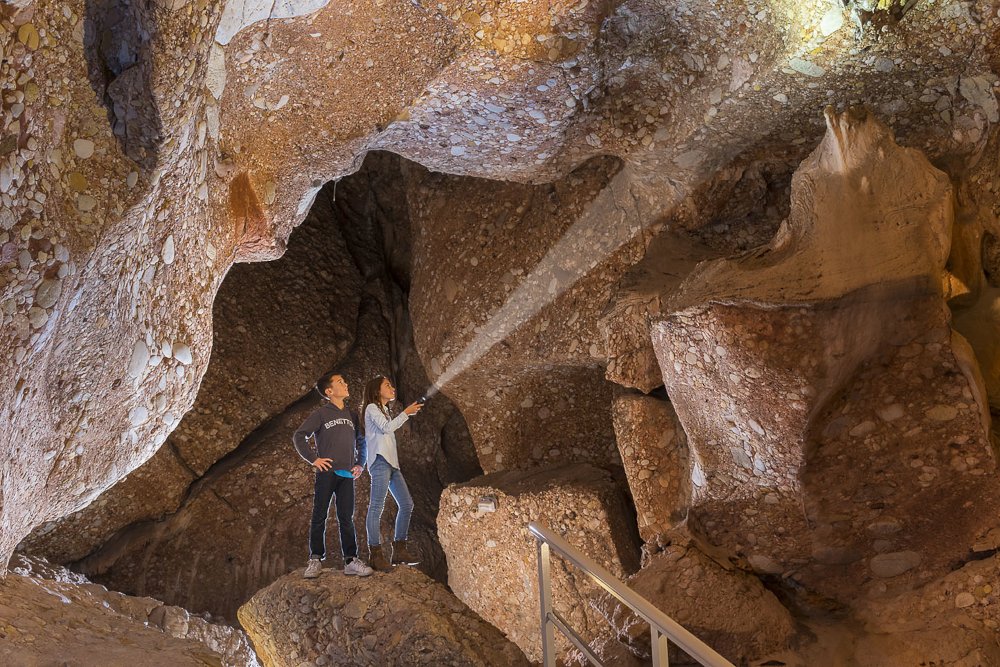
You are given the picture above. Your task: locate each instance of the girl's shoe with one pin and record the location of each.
(378, 558)
(401, 554)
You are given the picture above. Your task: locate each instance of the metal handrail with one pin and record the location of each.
(662, 628)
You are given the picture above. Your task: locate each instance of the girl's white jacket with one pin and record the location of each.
(380, 436)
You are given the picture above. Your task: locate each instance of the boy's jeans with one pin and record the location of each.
(386, 478)
(328, 485)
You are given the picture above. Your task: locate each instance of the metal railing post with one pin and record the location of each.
(545, 602)
(661, 648)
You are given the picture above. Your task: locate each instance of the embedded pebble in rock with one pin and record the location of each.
(37, 317)
(894, 564)
(891, 412)
(182, 353)
(964, 599)
(48, 293)
(806, 67)
(84, 148)
(139, 415)
(168, 250)
(139, 359)
(942, 413)
(832, 21)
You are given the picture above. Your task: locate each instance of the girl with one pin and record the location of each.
(383, 466)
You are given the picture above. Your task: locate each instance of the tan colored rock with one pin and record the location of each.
(523, 92)
(50, 615)
(501, 320)
(625, 328)
(653, 448)
(582, 503)
(754, 349)
(398, 618)
(720, 604)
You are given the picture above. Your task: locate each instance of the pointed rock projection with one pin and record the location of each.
(757, 353)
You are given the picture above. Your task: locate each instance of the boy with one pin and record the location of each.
(339, 454)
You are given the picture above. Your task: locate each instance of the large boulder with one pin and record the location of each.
(725, 607)
(582, 503)
(397, 618)
(851, 286)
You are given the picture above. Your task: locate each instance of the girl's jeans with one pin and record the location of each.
(386, 478)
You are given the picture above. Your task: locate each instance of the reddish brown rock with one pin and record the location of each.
(721, 605)
(582, 503)
(767, 340)
(653, 448)
(398, 618)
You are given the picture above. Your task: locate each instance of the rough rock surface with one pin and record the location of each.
(726, 608)
(397, 618)
(273, 336)
(133, 154)
(852, 284)
(498, 321)
(653, 448)
(49, 615)
(582, 503)
(146, 147)
(346, 307)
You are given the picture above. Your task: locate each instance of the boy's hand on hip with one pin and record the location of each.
(323, 464)
(356, 471)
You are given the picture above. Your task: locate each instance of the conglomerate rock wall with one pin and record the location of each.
(599, 201)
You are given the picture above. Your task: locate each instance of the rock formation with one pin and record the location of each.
(135, 151)
(588, 240)
(494, 545)
(726, 608)
(50, 615)
(853, 278)
(239, 483)
(398, 618)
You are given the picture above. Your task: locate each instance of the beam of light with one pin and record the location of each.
(611, 220)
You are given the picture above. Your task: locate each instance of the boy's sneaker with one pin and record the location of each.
(313, 569)
(357, 568)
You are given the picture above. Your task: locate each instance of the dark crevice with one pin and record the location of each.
(973, 557)
(172, 448)
(117, 41)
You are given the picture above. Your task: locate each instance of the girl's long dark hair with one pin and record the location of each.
(373, 394)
